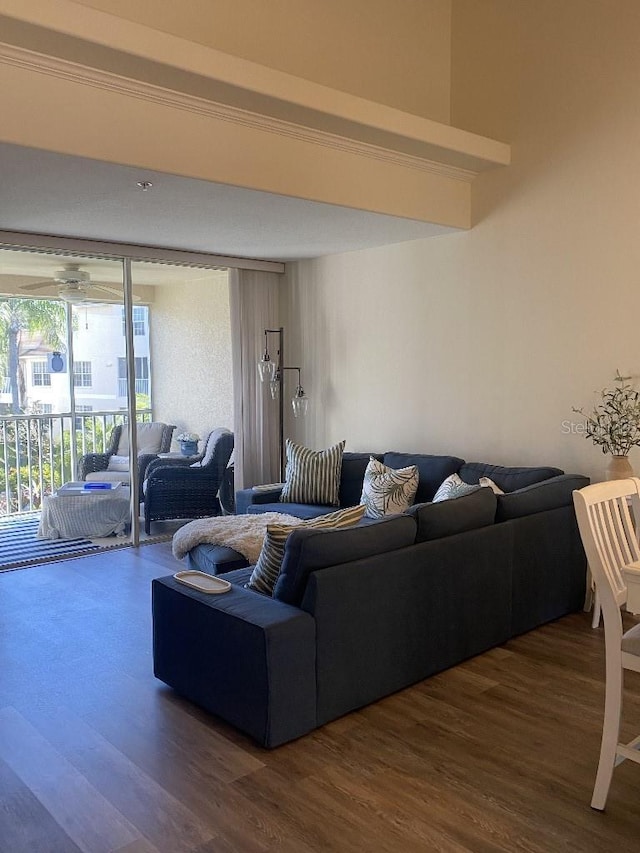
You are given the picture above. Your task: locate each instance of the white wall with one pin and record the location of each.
(191, 354)
(479, 343)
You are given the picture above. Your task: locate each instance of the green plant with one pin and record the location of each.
(614, 423)
(20, 320)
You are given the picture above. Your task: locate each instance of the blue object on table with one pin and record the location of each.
(98, 486)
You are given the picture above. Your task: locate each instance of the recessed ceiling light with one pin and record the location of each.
(144, 185)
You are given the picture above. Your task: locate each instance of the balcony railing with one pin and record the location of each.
(36, 453)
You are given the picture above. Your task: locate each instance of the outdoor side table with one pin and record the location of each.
(75, 513)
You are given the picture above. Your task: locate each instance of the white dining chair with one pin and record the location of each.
(605, 513)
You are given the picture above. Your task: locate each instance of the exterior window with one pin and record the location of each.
(82, 374)
(142, 376)
(81, 421)
(40, 373)
(47, 408)
(139, 321)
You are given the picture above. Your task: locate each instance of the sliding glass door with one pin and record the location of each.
(62, 346)
(90, 344)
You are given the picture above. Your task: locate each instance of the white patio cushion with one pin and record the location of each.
(149, 438)
(108, 477)
(118, 463)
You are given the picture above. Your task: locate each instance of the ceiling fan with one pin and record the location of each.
(74, 285)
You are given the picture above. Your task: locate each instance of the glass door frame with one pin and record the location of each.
(126, 253)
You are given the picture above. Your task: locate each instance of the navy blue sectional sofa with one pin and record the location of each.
(360, 613)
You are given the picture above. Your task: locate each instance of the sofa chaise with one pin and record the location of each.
(360, 613)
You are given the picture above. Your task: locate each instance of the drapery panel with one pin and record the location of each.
(254, 307)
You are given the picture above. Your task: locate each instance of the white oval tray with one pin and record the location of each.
(203, 582)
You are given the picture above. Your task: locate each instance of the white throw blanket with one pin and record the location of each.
(243, 533)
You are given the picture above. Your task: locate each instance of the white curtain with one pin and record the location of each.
(254, 305)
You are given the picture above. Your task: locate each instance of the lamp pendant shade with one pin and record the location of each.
(300, 404)
(274, 387)
(266, 369)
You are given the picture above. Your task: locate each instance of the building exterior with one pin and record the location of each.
(98, 368)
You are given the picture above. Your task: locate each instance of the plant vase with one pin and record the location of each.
(619, 468)
(188, 448)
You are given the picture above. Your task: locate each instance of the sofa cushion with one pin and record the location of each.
(299, 510)
(352, 475)
(215, 559)
(508, 479)
(237, 577)
(453, 487)
(312, 476)
(432, 470)
(446, 518)
(309, 549)
(539, 497)
(386, 491)
(266, 571)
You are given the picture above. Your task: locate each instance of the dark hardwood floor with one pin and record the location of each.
(498, 754)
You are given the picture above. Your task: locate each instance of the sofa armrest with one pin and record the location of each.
(249, 497)
(244, 657)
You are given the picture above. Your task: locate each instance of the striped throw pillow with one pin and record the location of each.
(265, 573)
(313, 476)
(388, 490)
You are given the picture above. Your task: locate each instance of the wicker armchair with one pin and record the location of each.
(182, 488)
(95, 463)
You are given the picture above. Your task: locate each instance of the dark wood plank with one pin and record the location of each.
(158, 816)
(85, 815)
(25, 824)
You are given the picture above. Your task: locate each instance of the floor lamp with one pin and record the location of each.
(273, 372)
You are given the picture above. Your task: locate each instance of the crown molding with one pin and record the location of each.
(33, 61)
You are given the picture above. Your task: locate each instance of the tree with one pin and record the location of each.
(22, 318)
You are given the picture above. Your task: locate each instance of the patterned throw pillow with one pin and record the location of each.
(388, 490)
(488, 482)
(313, 476)
(453, 487)
(265, 573)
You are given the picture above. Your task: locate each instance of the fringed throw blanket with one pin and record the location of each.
(243, 533)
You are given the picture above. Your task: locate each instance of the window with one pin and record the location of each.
(82, 374)
(139, 321)
(47, 408)
(80, 422)
(142, 376)
(40, 373)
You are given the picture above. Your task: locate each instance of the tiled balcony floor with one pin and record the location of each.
(19, 547)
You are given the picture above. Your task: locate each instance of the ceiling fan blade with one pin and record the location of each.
(38, 285)
(111, 290)
(106, 289)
